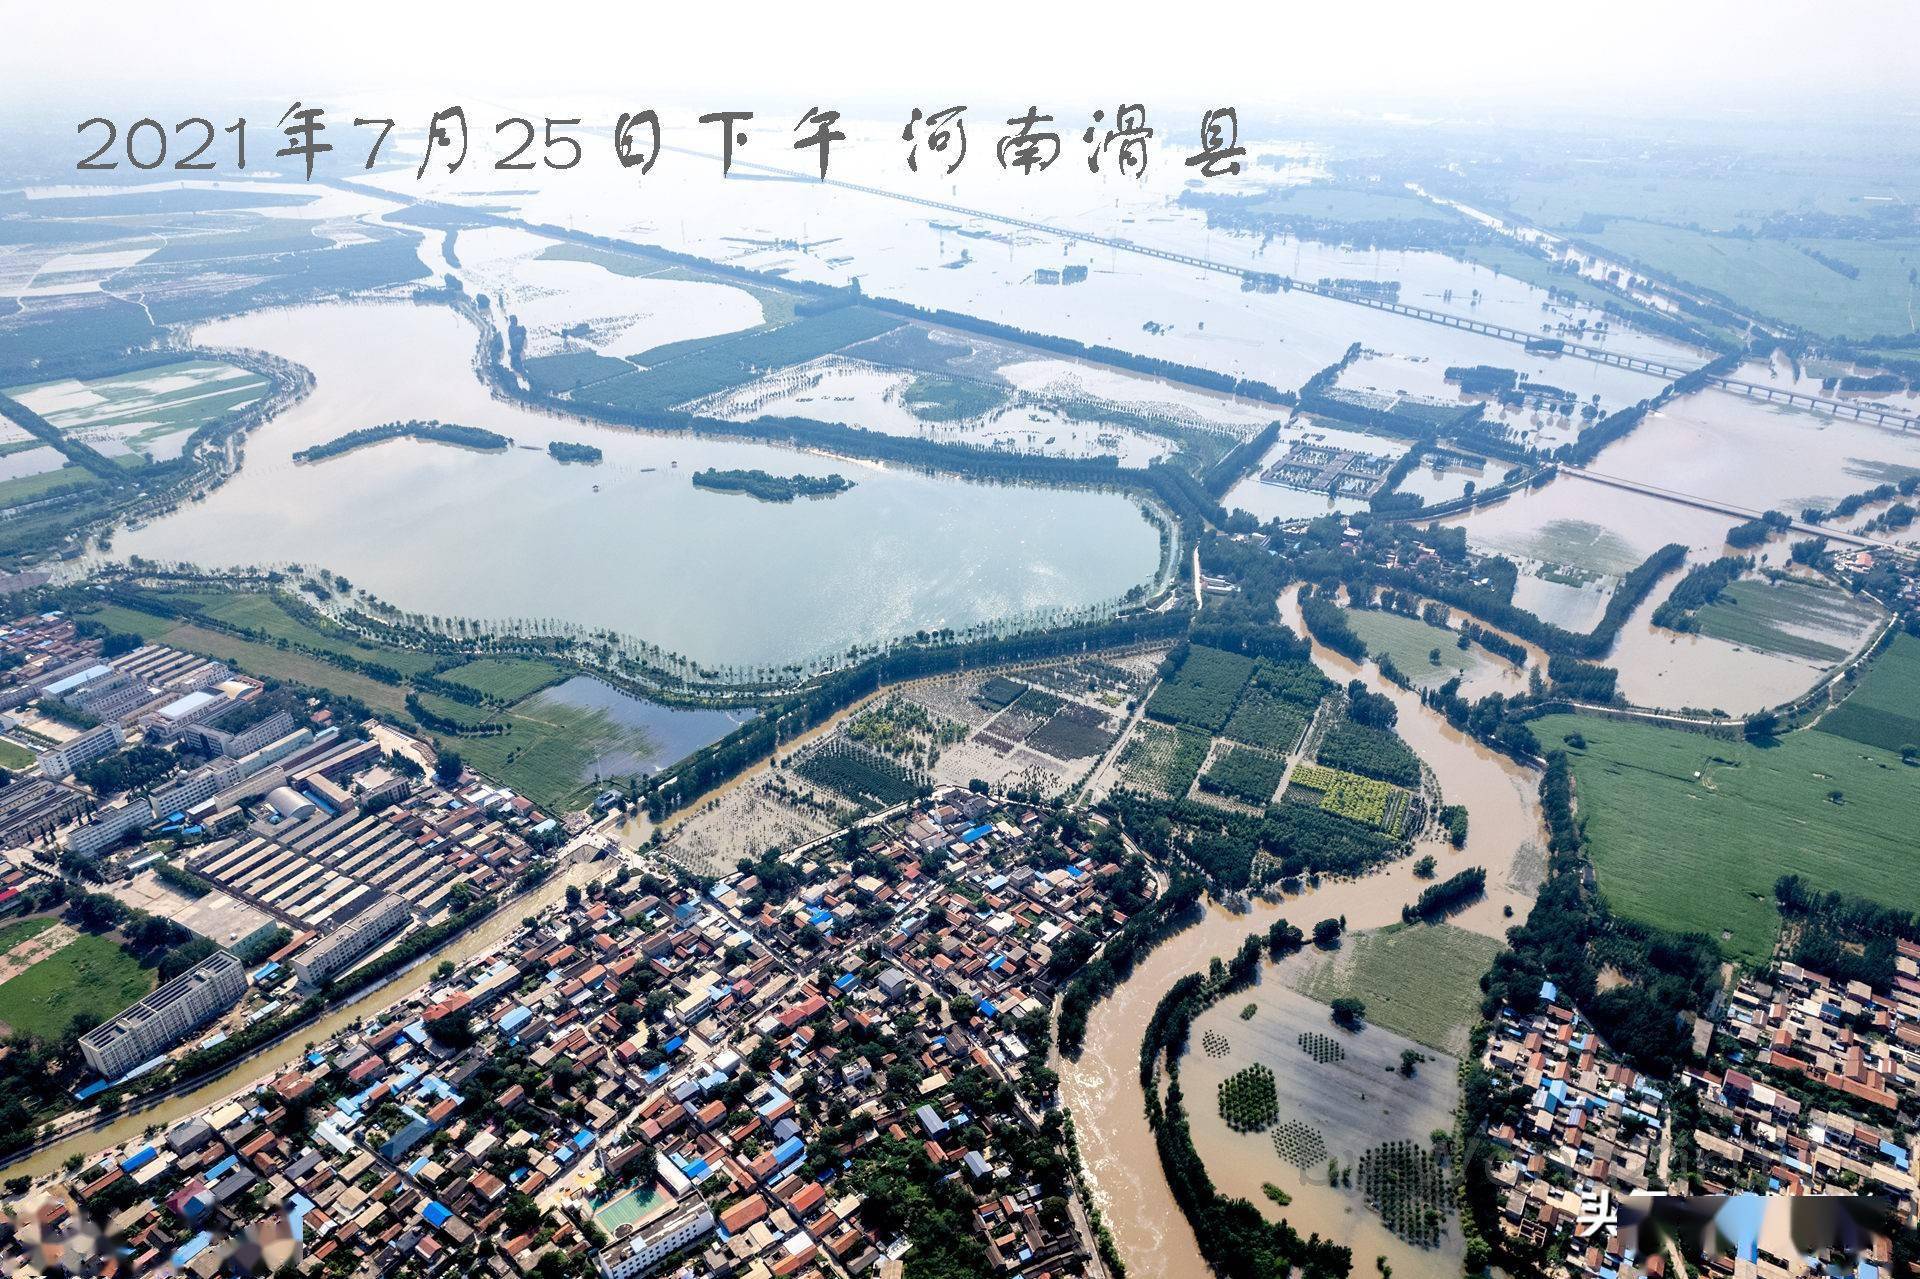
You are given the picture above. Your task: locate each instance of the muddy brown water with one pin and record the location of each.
(1103, 1088)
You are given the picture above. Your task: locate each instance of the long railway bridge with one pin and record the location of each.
(1876, 413)
(1865, 411)
(1598, 355)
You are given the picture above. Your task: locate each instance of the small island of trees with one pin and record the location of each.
(771, 488)
(567, 451)
(470, 437)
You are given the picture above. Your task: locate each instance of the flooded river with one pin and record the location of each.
(1103, 1088)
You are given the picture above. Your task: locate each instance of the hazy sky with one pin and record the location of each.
(1630, 56)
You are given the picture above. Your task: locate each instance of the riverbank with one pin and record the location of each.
(96, 1133)
(1102, 1089)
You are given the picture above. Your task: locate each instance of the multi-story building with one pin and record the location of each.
(108, 827)
(638, 1248)
(77, 752)
(337, 951)
(183, 712)
(165, 1017)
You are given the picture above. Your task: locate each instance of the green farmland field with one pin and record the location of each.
(1410, 643)
(505, 679)
(1884, 710)
(1422, 980)
(1778, 278)
(1689, 832)
(1774, 617)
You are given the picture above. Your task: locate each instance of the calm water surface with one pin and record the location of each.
(628, 545)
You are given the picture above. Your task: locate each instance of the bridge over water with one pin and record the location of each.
(1727, 508)
(1865, 412)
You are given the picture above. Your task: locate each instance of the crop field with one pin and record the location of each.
(689, 371)
(1777, 279)
(143, 406)
(1689, 832)
(1413, 644)
(1164, 760)
(90, 974)
(1884, 710)
(999, 691)
(1261, 719)
(1074, 732)
(505, 679)
(1203, 691)
(859, 774)
(1348, 795)
(1791, 618)
(1243, 774)
(1421, 980)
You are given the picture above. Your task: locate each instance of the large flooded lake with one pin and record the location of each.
(629, 544)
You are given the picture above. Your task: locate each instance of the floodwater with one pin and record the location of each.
(876, 398)
(1356, 1104)
(1103, 1088)
(628, 545)
(1594, 533)
(623, 315)
(1675, 671)
(647, 736)
(1748, 453)
(1266, 501)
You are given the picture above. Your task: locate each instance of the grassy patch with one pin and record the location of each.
(1689, 832)
(1420, 980)
(90, 974)
(15, 756)
(260, 612)
(549, 751)
(1411, 642)
(1792, 618)
(933, 397)
(61, 479)
(1884, 710)
(264, 660)
(571, 370)
(505, 679)
(21, 929)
